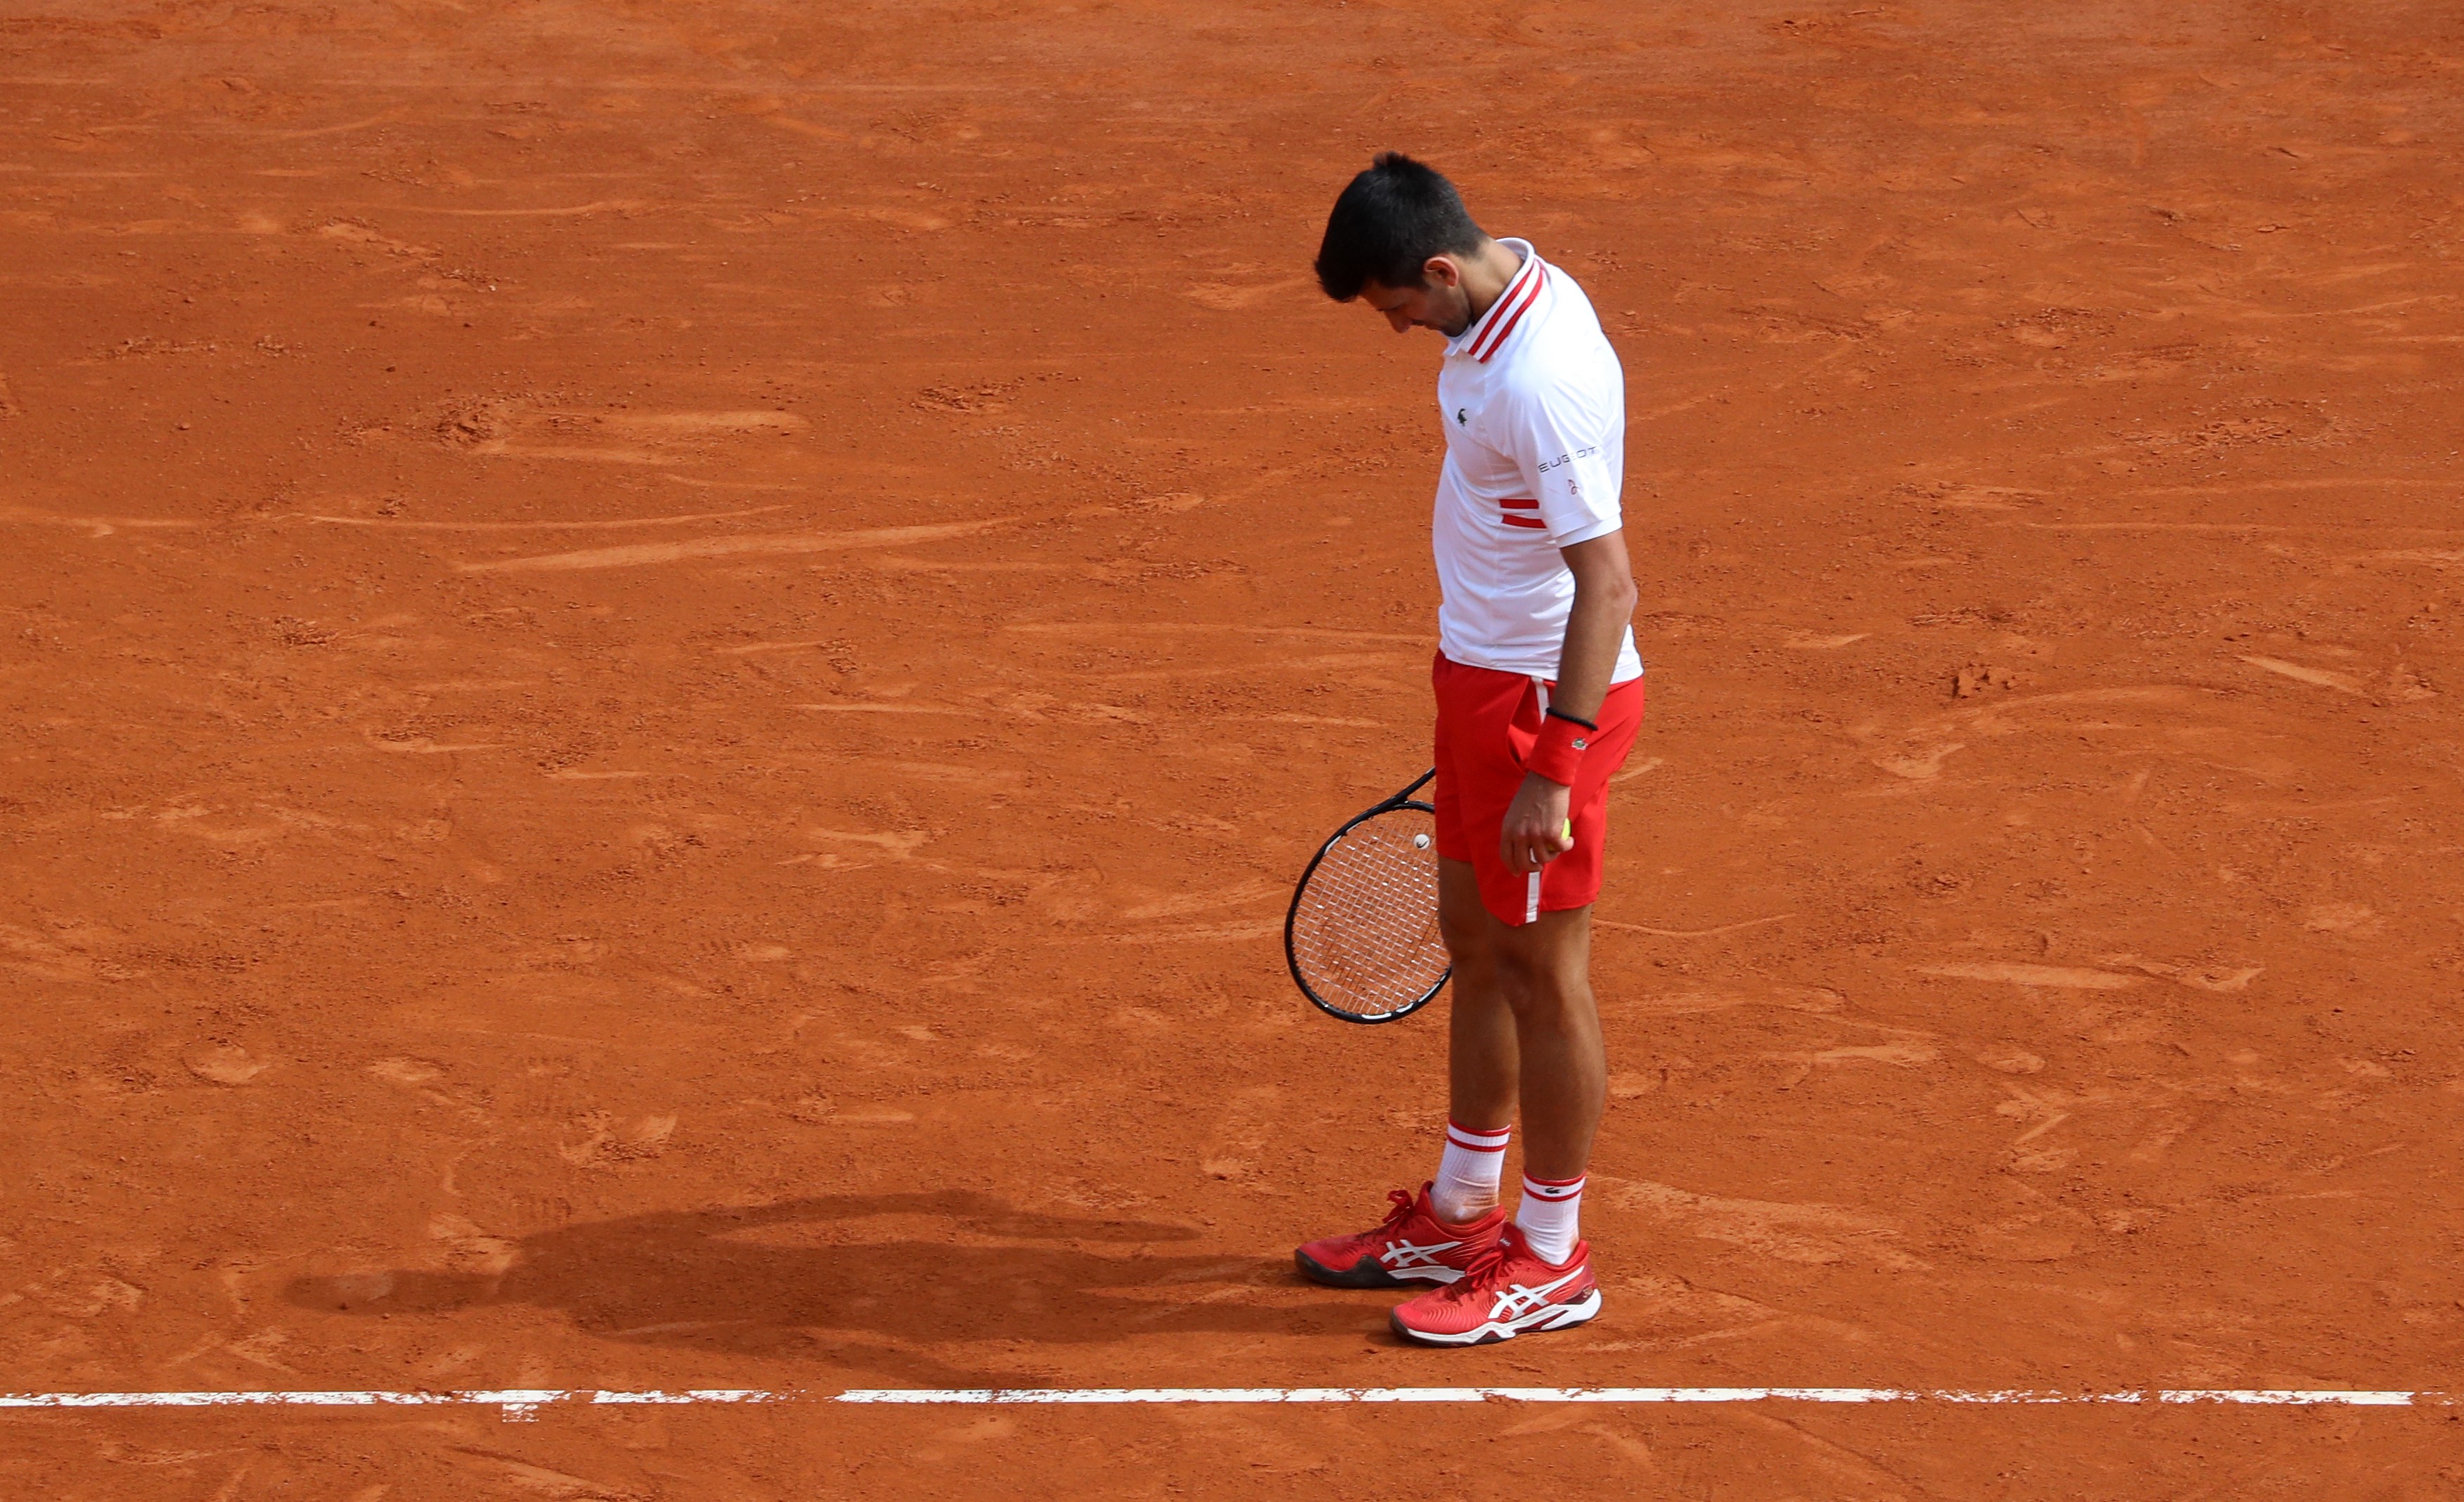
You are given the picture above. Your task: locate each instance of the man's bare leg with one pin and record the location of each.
(1525, 1029)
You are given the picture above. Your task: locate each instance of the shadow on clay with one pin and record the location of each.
(821, 1275)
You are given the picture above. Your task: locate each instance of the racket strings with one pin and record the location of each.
(1365, 932)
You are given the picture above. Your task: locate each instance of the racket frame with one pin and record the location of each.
(1291, 914)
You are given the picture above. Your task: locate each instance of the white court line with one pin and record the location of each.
(517, 1402)
(2289, 1397)
(524, 1402)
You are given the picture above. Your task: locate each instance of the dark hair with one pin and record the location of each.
(1387, 223)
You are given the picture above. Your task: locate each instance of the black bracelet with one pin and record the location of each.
(1554, 712)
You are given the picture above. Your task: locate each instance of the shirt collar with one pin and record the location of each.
(1489, 332)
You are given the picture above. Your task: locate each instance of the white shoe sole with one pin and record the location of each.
(1556, 1316)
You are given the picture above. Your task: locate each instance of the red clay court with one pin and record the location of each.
(667, 666)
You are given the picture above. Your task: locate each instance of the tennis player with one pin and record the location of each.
(1539, 696)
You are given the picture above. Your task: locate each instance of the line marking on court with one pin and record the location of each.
(520, 1404)
(2282, 1397)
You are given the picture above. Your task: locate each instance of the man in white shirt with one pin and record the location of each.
(1539, 697)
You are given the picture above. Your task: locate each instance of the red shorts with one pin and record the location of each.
(1486, 723)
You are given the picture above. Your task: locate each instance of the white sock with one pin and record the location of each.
(1468, 1172)
(1550, 1219)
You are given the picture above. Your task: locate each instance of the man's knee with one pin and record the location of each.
(1541, 987)
(1542, 969)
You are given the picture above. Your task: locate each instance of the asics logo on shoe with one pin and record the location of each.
(1516, 1300)
(1404, 1255)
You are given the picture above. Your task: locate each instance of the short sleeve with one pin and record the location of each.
(1566, 443)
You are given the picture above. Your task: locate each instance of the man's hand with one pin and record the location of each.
(1535, 832)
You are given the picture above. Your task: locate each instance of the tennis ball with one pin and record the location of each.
(1569, 830)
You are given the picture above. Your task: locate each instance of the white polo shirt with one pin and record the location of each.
(1533, 403)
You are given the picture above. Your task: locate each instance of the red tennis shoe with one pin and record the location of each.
(1412, 1246)
(1506, 1292)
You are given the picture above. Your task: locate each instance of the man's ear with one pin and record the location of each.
(1441, 271)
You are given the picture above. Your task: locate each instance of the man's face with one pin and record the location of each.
(1440, 303)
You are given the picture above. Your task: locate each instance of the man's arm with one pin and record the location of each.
(1534, 831)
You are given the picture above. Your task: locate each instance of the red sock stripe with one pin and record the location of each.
(1474, 1140)
(1553, 1189)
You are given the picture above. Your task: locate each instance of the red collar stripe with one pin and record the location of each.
(1517, 303)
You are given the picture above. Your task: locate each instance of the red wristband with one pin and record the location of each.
(1559, 751)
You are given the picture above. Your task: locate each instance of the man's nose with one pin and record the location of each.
(1402, 324)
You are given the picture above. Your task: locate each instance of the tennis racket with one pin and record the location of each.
(1362, 934)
